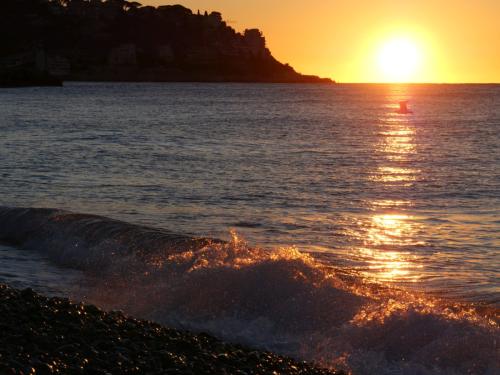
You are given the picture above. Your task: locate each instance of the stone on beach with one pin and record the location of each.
(43, 335)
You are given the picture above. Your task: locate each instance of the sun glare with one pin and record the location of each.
(399, 60)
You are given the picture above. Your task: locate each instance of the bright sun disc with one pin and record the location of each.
(399, 60)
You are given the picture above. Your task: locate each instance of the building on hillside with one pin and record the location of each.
(201, 55)
(165, 53)
(58, 66)
(55, 65)
(125, 54)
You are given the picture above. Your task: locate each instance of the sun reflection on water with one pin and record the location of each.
(395, 174)
(391, 230)
(398, 141)
(384, 241)
(390, 203)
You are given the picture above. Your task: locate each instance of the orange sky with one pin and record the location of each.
(455, 40)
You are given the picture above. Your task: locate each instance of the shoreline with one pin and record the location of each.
(61, 82)
(56, 335)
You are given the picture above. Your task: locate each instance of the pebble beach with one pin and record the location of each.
(43, 335)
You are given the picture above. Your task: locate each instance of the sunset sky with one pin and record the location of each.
(374, 41)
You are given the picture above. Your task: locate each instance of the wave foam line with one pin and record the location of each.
(282, 300)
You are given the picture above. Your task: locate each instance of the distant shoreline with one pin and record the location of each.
(35, 79)
(169, 43)
(62, 83)
(296, 82)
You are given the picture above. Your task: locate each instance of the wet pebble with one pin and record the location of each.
(54, 336)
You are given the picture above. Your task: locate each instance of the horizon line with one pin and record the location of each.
(417, 83)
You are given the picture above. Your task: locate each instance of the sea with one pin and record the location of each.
(311, 220)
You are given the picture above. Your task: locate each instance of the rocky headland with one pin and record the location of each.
(117, 40)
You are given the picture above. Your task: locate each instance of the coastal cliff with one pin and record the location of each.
(117, 40)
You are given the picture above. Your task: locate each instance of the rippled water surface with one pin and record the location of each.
(412, 200)
(30, 269)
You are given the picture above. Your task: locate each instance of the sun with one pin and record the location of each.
(399, 60)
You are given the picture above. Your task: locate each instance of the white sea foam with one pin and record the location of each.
(281, 299)
(285, 301)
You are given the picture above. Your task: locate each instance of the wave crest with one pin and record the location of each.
(281, 299)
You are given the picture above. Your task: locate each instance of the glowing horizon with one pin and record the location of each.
(453, 41)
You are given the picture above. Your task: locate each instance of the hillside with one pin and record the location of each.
(117, 40)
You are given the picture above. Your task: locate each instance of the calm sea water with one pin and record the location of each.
(410, 201)
(331, 169)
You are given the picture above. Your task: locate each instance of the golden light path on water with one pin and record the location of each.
(391, 227)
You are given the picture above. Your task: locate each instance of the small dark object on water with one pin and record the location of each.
(403, 108)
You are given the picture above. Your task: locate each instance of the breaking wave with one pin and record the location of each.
(281, 299)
